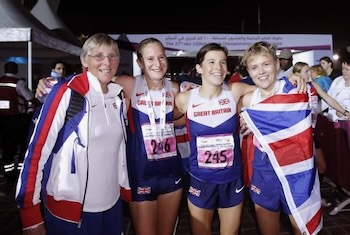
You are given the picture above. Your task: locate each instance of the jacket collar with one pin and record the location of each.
(80, 83)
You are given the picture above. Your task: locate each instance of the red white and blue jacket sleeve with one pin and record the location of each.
(30, 183)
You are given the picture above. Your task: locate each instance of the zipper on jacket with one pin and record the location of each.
(87, 161)
(79, 223)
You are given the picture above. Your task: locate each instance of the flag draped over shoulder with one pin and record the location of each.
(282, 125)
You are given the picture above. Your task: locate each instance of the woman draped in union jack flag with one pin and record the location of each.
(284, 174)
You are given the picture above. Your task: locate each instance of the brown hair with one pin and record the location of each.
(209, 47)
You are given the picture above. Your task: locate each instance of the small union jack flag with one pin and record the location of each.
(255, 189)
(143, 190)
(195, 192)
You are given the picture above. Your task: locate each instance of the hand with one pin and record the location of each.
(186, 86)
(299, 82)
(244, 128)
(40, 89)
(341, 115)
(39, 230)
(347, 115)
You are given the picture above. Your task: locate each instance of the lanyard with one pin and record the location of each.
(151, 114)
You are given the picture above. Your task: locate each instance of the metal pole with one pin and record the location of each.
(259, 17)
(30, 63)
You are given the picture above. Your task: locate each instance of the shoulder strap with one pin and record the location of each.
(76, 104)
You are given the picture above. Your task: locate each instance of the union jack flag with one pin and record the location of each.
(282, 125)
(255, 189)
(143, 190)
(194, 191)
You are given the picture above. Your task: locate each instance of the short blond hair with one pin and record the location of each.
(258, 48)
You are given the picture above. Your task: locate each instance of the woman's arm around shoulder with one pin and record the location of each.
(239, 89)
(246, 100)
(181, 101)
(127, 82)
(178, 115)
(299, 82)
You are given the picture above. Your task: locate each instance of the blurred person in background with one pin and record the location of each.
(236, 75)
(316, 94)
(186, 73)
(188, 79)
(57, 72)
(319, 75)
(340, 91)
(286, 63)
(240, 75)
(328, 65)
(16, 99)
(59, 67)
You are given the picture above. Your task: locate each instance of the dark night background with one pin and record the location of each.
(220, 16)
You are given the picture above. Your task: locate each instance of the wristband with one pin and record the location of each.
(345, 112)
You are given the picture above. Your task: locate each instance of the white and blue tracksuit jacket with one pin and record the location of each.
(50, 173)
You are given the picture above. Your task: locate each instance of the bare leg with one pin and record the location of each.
(320, 161)
(269, 221)
(200, 219)
(295, 227)
(230, 219)
(168, 210)
(144, 217)
(156, 217)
